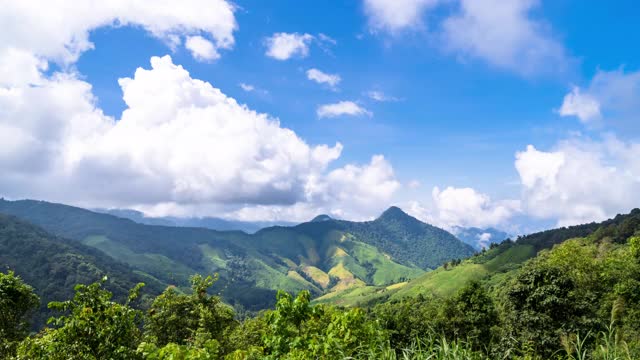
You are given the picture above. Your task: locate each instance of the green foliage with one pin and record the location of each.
(209, 350)
(17, 300)
(53, 265)
(542, 304)
(95, 328)
(408, 319)
(634, 243)
(194, 319)
(297, 330)
(470, 315)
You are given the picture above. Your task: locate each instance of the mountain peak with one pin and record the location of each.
(394, 213)
(321, 218)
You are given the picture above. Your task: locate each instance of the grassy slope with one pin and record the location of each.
(162, 267)
(440, 281)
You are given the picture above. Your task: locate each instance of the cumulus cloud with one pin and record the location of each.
(341, 108)
(283, 46)
(180, 144)
(395, 15)
(179, 136)
(584, 106)
(611, 94)
(59, 30)
(357, 192)
(484, 239)
(323, 78)
(504, 34)
(580, 180)
(201, 48)
(180, 147)
(464, 207)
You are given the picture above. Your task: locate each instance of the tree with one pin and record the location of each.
(95, 328)
(297, 330)
(17, 300)
(634, 243)
(470, 314)
(408, 319)
(543, 304)
(193, 319)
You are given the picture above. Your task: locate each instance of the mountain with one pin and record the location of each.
(212, 223)
(54, 265)
(490, 266)
(322, 256)
(322, 217)
(480, 238)
(404, 237)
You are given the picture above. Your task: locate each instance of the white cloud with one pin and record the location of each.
(355, 192)
(180, 147)
(396, 15)
(463, 207)
(577, 181)
(341, 108)
(283, 46)
(180, 140)
(484, 239)
(379, 96)
(201, 48)
(584, 106)
(247, 87)
(612, 94)
(323, 78)
(466, 207)
(580, 180)
(326, 39)
(504, 34)
(59, 30)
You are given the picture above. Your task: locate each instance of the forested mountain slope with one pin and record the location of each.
(320, 256)
(490, 266)
(53, 265)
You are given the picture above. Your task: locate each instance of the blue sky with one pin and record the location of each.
(455, 115)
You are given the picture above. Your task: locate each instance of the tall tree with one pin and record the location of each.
(17, 300)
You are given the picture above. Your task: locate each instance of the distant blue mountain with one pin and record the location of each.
(212, 223)
(480, 238)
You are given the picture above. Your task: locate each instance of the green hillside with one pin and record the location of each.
(53, 265)
(320, 256)
(491, 266)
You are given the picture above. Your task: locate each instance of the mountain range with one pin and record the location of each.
(323, 256)
(212, 223)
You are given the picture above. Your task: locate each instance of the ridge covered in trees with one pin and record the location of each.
(321, 257)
